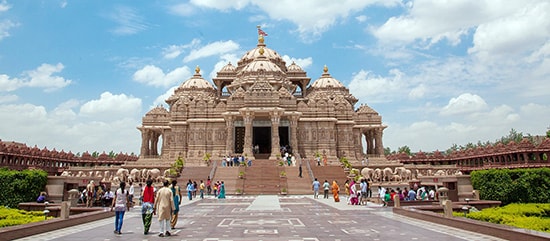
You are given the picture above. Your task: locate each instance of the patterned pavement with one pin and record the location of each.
(292, 218)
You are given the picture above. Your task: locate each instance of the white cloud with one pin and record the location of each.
(215, 48)
(525, 31)
(431, 21)
(376, 89)
(5, 26)
(182, 9)
(464, 104)
(304, 62)
(128, 21)
(318, 17)
(63, 4)
(8, 98)
(361, 18)
(418, 92)
(154, 76)
(41, 77)
(161, 100)
(173, 51)
(221, 4)
(4, 6)
(62, 130)
(111, 107)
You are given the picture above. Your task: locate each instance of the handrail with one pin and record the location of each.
(310, 171)
(213, 170)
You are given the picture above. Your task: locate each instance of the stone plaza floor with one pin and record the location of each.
(270, 217)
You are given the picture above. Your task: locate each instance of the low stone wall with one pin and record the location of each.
(29, 229)
(496, 230)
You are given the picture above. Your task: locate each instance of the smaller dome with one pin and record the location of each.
(228, 68)
(159, 110)
(197, 82)
(326, 81)
(294, 68)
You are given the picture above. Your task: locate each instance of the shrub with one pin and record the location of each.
(12, 217)
(533, 216)
(513, 186)
(21, 186)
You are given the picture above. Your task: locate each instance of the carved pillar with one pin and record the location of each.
(294, 135)
(248, 117)
(379, 146)
(275, 144)
(154, 143)
(144, 142)
(230, 139)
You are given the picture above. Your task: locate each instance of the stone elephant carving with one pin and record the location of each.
(367, 173)
(144, 174)
(81, 174)
(387, 174)
(135, 175)
(396, 177)
(66, 174)
(122, 174)
(153, 174)
(98, 174)
(377, 175)
(106, 176)
(439, 173)
(166, 173)
(407, 175)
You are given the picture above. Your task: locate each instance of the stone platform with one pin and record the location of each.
(270, 217)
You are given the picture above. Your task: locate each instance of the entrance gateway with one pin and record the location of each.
(261, 102)
(261, 136)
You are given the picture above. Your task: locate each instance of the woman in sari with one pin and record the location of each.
(222, 191)
(148, 200)
(335, 191)
(353, 193)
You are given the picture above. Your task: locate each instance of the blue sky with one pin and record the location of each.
(80, 75)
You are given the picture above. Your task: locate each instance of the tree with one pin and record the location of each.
(548, 133)
(404, 149)
(387, 151)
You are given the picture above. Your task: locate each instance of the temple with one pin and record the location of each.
(257, 107)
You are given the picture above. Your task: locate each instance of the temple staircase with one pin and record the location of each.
(263, 177)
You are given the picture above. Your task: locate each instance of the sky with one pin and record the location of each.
(79, 75)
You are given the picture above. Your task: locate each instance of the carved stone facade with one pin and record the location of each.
(255, 108)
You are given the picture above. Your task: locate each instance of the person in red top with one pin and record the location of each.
(148, 196)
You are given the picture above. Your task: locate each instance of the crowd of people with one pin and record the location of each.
(164, 202)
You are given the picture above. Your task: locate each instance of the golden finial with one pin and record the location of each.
(261, 51)
(325, 69)
(197, 70)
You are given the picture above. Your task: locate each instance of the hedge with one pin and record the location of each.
(513, 185)
(535, 216)
(21, 186)
(12, 217)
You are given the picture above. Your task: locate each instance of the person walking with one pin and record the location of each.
(315, 186)
(147, 202)
(190, 190)
(326, 187)
(119, 205)
(164, 206)
(202, 187)
(300, 171)
(176, 193)
(130, 195)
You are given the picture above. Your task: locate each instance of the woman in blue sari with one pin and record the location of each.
(222, 191)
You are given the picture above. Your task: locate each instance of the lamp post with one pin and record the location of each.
(46, 211)
(466, 210)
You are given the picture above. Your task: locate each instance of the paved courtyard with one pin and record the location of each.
(296, 218)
